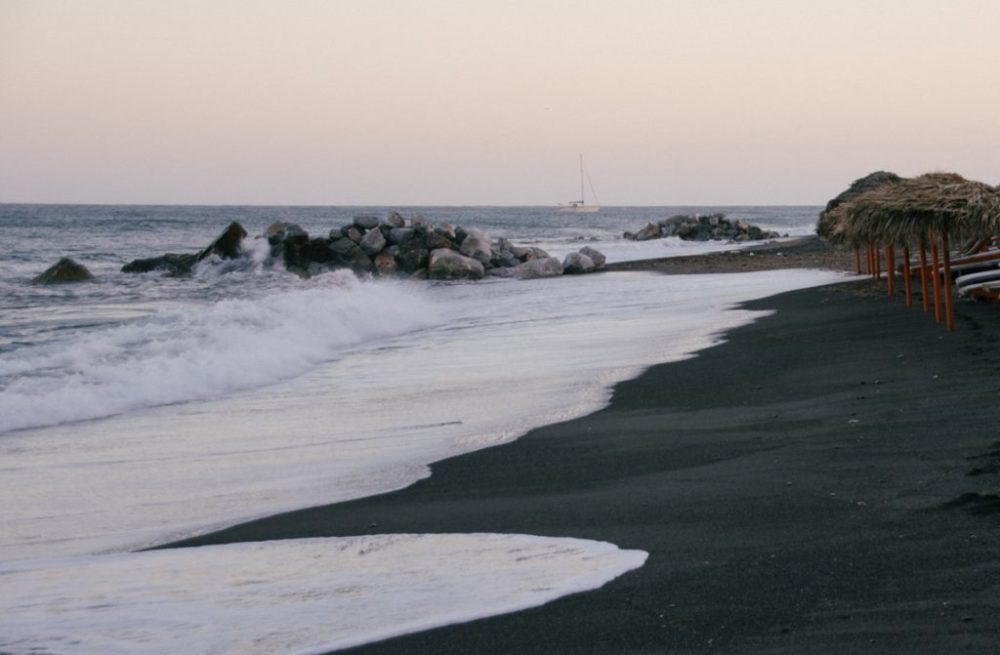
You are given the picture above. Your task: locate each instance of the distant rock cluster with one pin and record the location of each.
(701, 228)
(389, 246)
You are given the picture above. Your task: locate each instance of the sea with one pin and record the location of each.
(136, 410)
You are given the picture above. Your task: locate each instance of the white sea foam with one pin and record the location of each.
(191, 351)
(508, 357)
(505, 357)
(296, 596)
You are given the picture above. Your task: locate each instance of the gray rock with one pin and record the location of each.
(395, 219)
(400, 235)
(596, 256)
(649, 231)
(412, 257)
(360, 262)
(343, 247)
(436, 240)
(577, 263)
(366, 221)
(528, 253)
(62, 272)
(353, 233)
(477, 245)
(446, 264)
(373, 242)
(538, 267)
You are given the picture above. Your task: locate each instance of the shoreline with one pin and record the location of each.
(788, 485)
(795, 252)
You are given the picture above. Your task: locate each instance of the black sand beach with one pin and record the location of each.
(823, 482)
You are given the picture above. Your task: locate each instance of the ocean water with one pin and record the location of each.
(137, 409)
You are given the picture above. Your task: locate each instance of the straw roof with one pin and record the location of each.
(903, 209)
(829, 226)
(909, 207)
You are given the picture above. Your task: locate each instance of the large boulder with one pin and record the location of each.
(395, 219)
(436, 240)
(373, 242)
(595, 256)
(576, 263)
(477, 246)
(526, 253)
(412, 256)
(446, 264)
(229, 245)
(63, 271)
(366, 221)
(648, 231)
(400, 235)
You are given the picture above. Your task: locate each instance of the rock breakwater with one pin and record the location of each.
(701, 228)
(383, 246)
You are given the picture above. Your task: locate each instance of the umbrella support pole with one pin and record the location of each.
(890, 267)
(907, 276)
(937, 279)
(924, 294)
(878, 261)
(857, 259)
(949, 298)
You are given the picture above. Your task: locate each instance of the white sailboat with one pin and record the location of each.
(580, 206)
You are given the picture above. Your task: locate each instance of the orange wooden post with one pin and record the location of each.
(868, 259)
(925, 296)
(937, 279)
(878, 260)
(949, 299)
(890, 267)
(857, 259)
(907, 275)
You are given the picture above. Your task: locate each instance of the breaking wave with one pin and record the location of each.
(196, 351)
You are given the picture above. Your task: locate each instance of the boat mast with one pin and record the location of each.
(583, 200)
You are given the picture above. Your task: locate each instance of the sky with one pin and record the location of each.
(459, 102)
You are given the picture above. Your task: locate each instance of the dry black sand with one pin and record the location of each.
(824, 482)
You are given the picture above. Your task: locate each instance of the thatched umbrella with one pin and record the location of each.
(831, 222)
(931, 206)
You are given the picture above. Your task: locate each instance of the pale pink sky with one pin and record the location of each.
(474, 102)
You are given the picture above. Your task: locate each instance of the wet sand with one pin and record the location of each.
(824, 482)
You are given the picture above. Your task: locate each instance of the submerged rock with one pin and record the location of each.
(229, 245)
(173, 264)
(62, 272)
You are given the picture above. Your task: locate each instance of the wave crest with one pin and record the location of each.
(202, 351)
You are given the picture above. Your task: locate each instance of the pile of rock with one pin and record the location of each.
(385, 246)
(701, 228)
